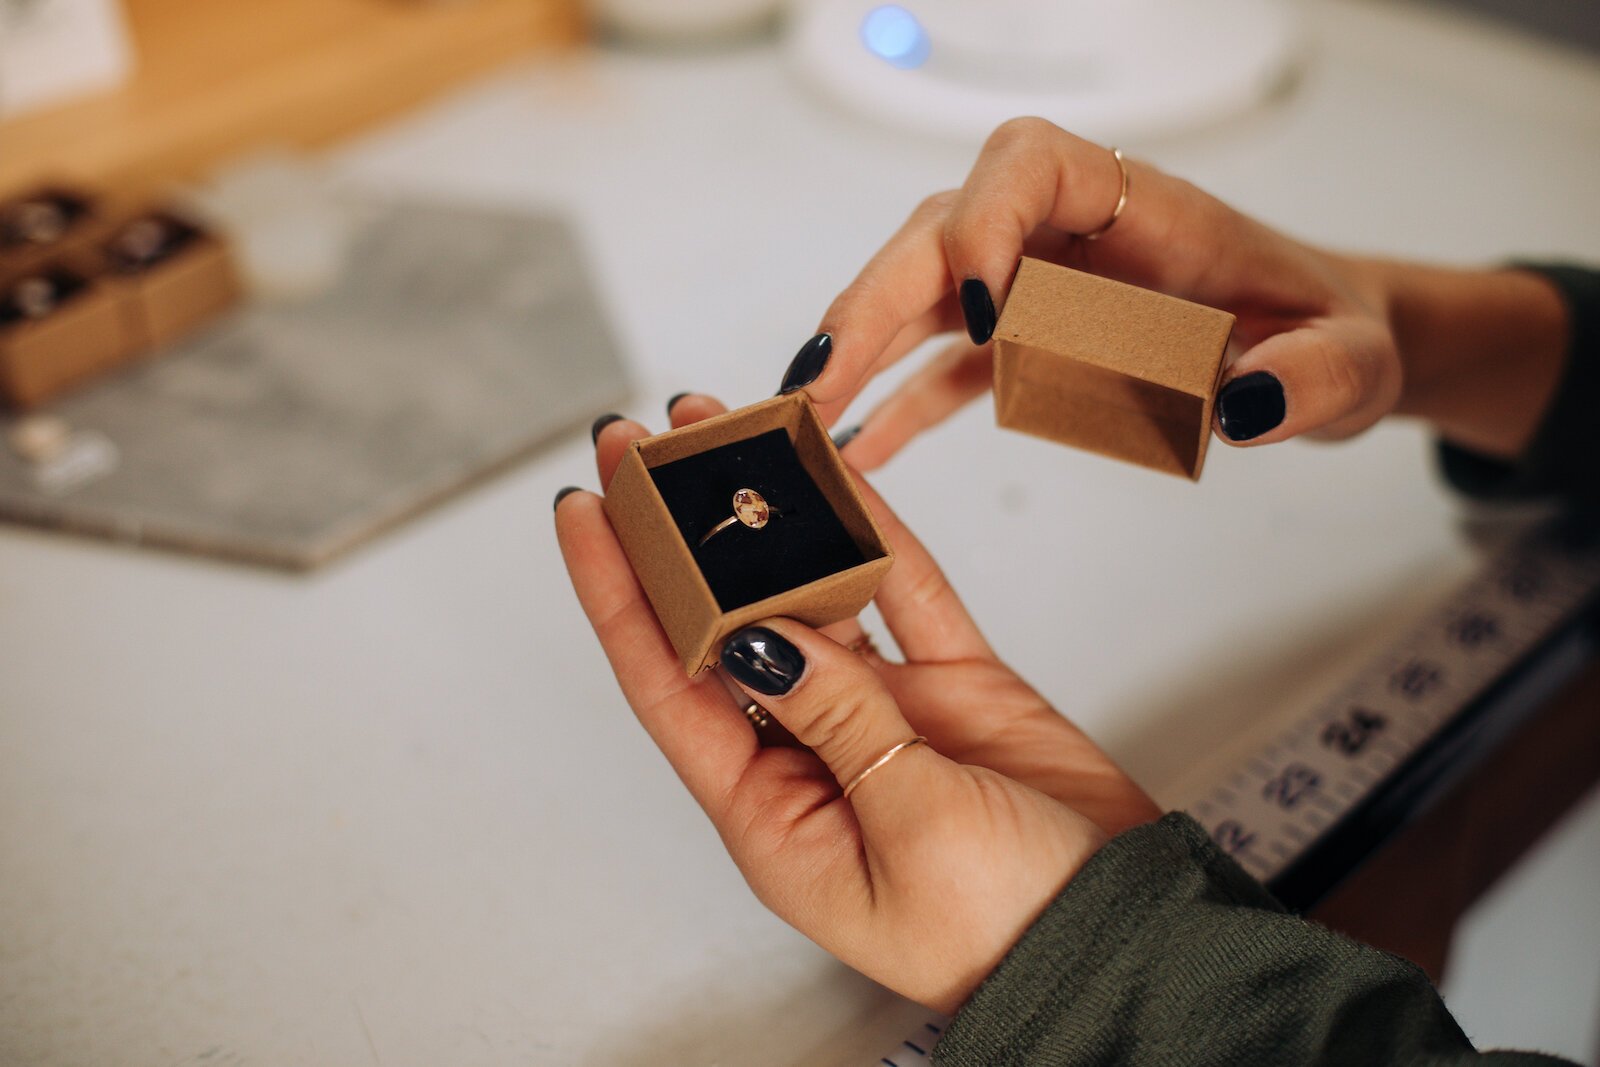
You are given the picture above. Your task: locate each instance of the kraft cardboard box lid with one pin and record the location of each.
(1109, 367)
(703, 592)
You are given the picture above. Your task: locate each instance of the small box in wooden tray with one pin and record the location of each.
(87, 285)
(42, 224)
(60, 324)
(178, 275)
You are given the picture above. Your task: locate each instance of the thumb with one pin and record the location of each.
(837, 705)
(1333, 379)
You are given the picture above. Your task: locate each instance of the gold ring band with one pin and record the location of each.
(750, 509)
(880, 761)
(756, 715)
(863, 645)
(1122, 199)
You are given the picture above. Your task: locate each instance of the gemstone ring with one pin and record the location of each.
(750, 509)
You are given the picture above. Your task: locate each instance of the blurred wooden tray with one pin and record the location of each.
(216, 78)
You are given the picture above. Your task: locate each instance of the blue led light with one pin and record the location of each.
(894, 35)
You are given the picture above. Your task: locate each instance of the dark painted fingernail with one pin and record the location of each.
(563, 494)
(807, 364)
(844, 437)
(978, 308)
(763, 660)
(1250, 406)
(601, 423)
(673, 402)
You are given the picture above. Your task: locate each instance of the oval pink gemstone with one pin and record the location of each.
(750, 508)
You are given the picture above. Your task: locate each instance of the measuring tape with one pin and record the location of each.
(1344, 776)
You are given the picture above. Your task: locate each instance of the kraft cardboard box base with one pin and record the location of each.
(122, 313)
(82, 338)
(1108, 367)
(700, 591)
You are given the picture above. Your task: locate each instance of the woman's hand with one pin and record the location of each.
(1324, 345)
(938, 862)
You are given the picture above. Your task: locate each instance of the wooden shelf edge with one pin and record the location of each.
(154, 131)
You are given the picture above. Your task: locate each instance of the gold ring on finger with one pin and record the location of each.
(863, 645)
(1122, 200)
(757, 716)
(880, 761)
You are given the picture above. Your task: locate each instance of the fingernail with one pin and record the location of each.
(807, 364)
(763, 660)
(844, 437)
(978, 308)
(673, 402)
(1250, 406)
(601, 423)
(563, 494)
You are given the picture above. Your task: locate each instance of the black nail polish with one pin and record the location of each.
(1250, 406)
(673, 402)
(563, 494)
(601, 423)
(977, 306)
(844, 437)
(807, 364)
(762, 660)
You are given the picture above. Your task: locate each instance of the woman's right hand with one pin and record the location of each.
(1312, 353)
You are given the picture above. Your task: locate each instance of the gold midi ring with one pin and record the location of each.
(880, 761)
(750, 509)
(1122, 199)
(770, 733)
(863, 645)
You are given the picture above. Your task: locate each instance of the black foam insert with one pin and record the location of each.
(64, 286)
(12, 232)
(806, 541)
(176, 235)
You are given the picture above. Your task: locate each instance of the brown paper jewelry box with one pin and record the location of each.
(1108, 367)
(818, 560)
(176, 295)
(118, 314)
(85, 336)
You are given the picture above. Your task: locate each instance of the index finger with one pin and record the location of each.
(1029, 174)
(1034, 179)
(901, 297)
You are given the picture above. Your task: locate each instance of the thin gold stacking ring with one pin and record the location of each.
(1122, 199)
(880, 761)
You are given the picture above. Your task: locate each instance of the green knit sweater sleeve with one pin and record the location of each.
(1163, 952)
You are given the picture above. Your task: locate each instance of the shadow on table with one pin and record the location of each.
(1191, 722)
(836, 1017)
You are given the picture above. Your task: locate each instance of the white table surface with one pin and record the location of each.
(396, 812)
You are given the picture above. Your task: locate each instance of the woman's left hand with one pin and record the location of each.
(932, 869)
